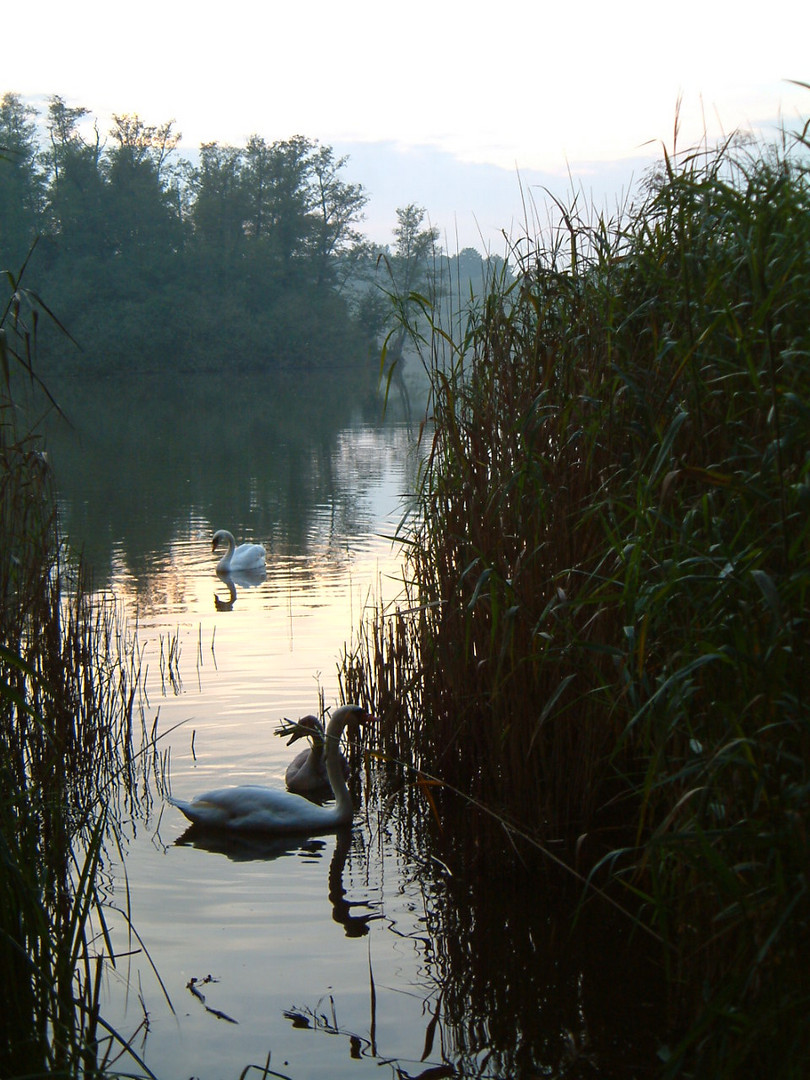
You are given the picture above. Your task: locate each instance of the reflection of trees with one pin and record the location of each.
(253, 454)
(522, 986)
(529, 991)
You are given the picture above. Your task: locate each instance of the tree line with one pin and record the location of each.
(250, 257)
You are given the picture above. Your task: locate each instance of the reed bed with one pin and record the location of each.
(605, 635)
(69, 677)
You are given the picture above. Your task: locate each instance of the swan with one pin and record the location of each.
(306, 773)
(243, 557)
(269, 810)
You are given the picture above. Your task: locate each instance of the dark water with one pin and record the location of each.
(336, 956)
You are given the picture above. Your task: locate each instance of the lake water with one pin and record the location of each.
(326, 957)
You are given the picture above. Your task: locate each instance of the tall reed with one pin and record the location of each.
(68, 680)
(608, 582)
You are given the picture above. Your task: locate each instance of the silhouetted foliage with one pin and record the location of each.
(154, 261)
(21, 182)
(603, 647)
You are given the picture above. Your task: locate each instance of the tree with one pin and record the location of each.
(289, 199)
(144, 217)
(142, 144)
(416, 253)
(145, 253)
(336, 208)
(77, 196)
(218, 199)
(413, 269)
(256, 174)
(275, 181)
(21, 182)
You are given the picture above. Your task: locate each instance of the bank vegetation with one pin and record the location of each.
(70, 733)
(604, 652)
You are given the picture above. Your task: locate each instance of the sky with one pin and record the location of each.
(471, 111)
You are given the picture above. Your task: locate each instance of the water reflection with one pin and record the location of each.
(226, 603)
(445, 965)
(343, 909)
(293, 466)
(246, 847)
(244, 579)
(529, 978)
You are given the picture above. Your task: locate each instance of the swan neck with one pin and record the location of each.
(316, 753)
(224, 564)
(334, 770)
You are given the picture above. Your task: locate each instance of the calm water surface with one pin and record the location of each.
(332, 956)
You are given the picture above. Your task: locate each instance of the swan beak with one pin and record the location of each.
(294, 729)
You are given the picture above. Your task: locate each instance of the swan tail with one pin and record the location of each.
(200, 812)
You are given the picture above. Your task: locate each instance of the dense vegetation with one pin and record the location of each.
(68, 682)
(607, 643)
(250, 258)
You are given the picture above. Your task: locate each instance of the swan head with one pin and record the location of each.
(350, 714)
(308, 727)
(349, 717)
(219, 537)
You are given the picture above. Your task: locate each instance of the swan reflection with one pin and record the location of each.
(245, 847)
(245, 579)
(226, 604)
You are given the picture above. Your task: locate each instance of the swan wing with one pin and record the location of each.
(248, 555)
(257, 808)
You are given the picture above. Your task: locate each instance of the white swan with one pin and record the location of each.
(306, 773)
(243, 557)
(270, 810)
